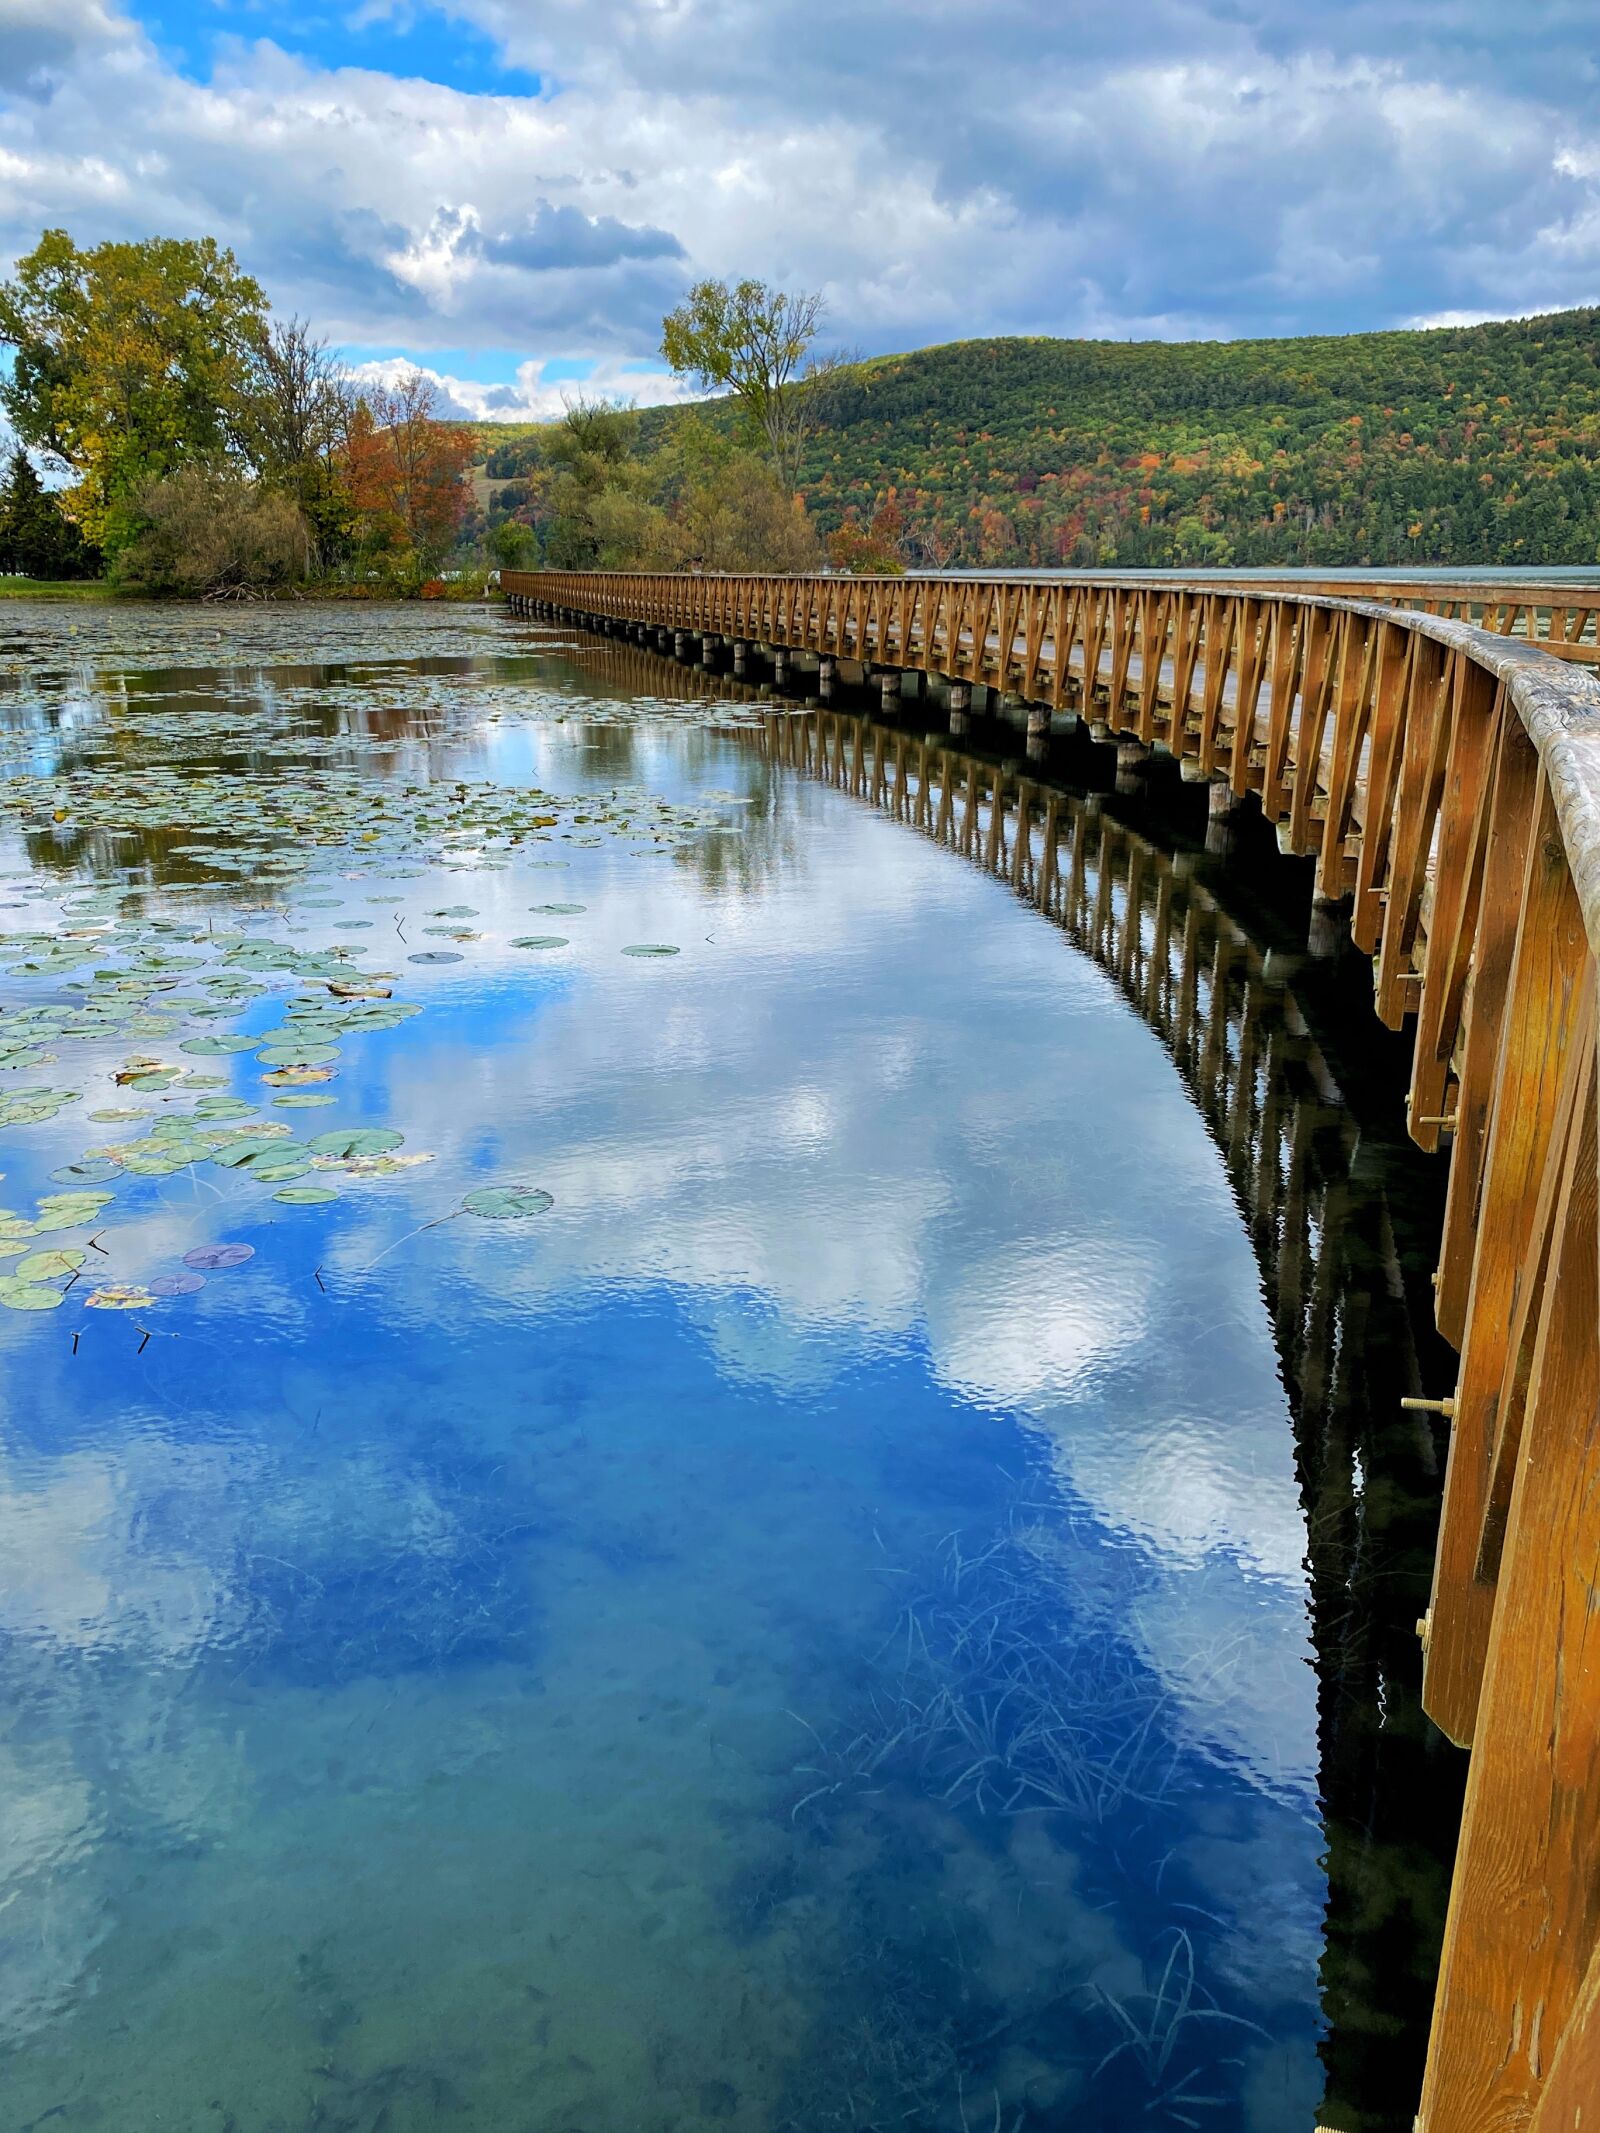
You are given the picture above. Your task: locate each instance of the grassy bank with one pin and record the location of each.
(56, 589)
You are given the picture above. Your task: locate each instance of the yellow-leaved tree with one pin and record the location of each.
(130, 362)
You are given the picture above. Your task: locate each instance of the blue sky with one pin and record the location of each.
(417, 42)
(511, 192)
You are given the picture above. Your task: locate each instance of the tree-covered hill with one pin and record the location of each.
(1475, 444)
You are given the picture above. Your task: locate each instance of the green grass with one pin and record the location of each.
(56, 589)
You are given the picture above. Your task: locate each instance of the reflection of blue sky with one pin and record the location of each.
(872, 1204)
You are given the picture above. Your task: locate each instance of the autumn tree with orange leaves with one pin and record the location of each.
(404, 474)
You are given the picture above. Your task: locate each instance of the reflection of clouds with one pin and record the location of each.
(858, 1121)
(86, 1564)
(878, 1107)
(1036, 1322)
(106, 1598)
(52, 1916)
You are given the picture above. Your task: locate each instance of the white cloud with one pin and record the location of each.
(532, 395)
(940, 171)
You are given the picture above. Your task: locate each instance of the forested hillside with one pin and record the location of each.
(1475, 444)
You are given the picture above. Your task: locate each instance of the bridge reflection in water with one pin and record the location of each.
(1342, 1211)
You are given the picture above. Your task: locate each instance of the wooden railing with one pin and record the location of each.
(1445, 781)
(1561, 618)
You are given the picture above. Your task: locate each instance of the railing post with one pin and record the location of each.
(1536, 1035)
(1525, 1904)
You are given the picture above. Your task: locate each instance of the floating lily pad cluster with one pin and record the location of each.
(200, 848)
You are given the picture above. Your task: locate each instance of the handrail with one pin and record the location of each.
(1445, 781)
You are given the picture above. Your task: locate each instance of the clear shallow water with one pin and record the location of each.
(810, 1630)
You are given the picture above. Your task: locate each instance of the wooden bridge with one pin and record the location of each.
(1444, 778)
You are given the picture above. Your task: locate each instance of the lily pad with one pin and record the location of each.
(184, 1284)
(303, 1100)
(92, 1170)
(559, 910)
(28, 1295)
(47, 1266)
(223, 1107)
(298, 1055)
(650, 948)
(208, 1257)
(507, 1203)
(280, 1168)
(213, 1047)
(346, 1141)
(436, 955)
(306, 1195)
(118, 1296)
(542, 940)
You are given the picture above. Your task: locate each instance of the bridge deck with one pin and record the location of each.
(1445, 778)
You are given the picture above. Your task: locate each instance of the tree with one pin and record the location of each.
(296, 419)
(129, 362)
(755, 343)
(873, 550)
(212, 530)
(601, 515)
(739, 516)
(404, 472)
(514, 545)
(37, 539)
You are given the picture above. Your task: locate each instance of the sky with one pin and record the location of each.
(510, 193)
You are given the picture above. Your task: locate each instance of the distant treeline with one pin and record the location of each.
(1474, 444)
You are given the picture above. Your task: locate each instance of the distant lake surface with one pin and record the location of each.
(649, 1477)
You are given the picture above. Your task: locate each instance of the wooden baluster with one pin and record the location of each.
(1122, 618)
(1186, 652)
(1516, 1379)
(1542, 997)
(1221, 624)
(1005, 651)
(1095, 599)
(1068, 621)
(1525, 1903)
(1480, 705)
(1154, 613)
(1422, 760)
(1243, 772)
(1397, 648)
(1352, 709)
(1323, 631)
(1035, 620)
(1511, 810)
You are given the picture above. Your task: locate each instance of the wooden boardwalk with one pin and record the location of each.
(1445, 779)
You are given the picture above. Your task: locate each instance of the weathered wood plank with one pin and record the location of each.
(1570, 2102)
(1525, 1906)
(1542, 1003)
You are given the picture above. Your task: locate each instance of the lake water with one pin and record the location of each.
(654, 1474)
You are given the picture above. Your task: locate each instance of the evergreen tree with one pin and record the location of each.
(37, 539)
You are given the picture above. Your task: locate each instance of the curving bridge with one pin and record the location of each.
(1436, 752)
